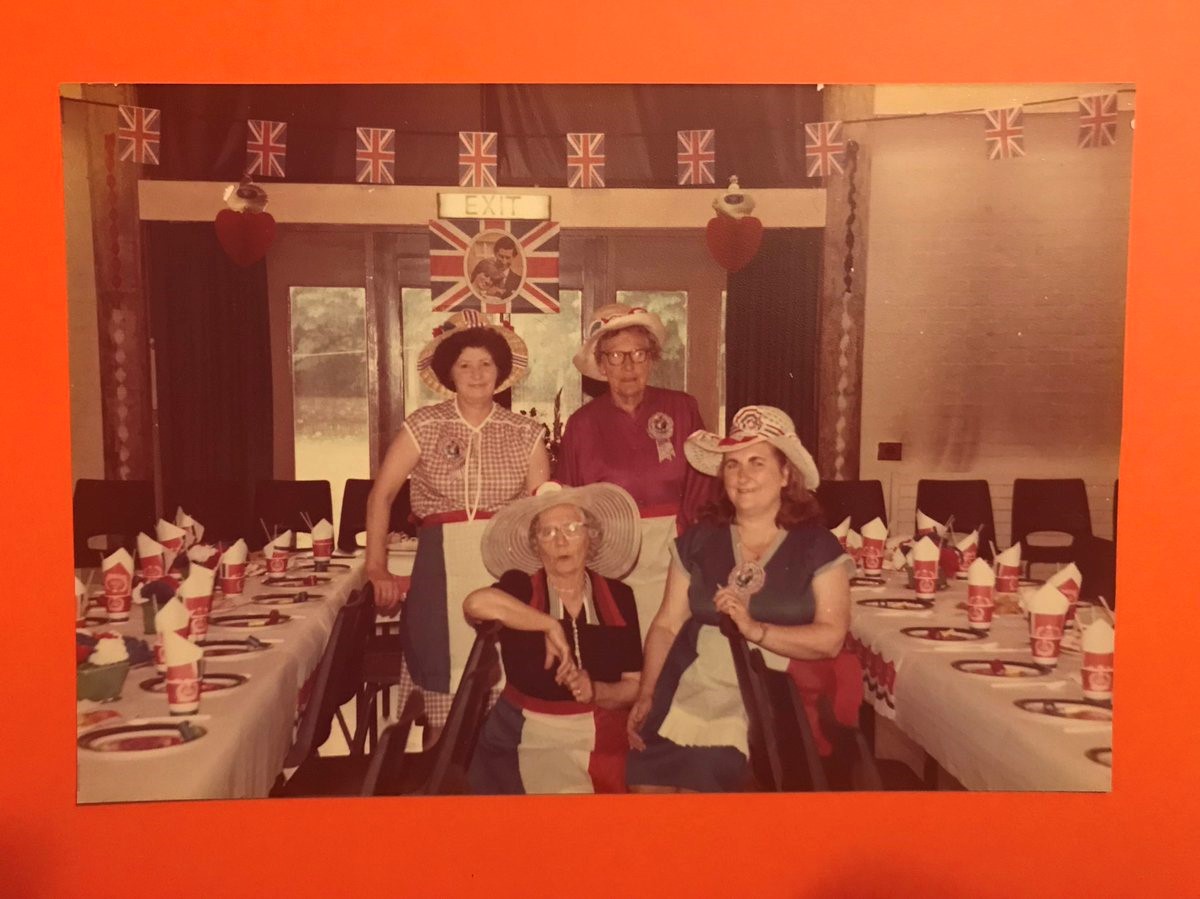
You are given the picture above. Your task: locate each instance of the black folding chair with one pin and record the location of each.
(861, 500)
(283, 505)
(114, 510)
(766, 763)
(221, 506)
(388, 754)
(969, 501)
(1056, 504)
(353, 519)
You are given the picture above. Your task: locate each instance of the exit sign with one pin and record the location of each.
(494, 206)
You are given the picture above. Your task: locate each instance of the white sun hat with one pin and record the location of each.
(753, 424)
(607, 319)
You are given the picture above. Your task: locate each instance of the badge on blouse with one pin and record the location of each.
(747, 578)
(452, 450)
(661, 428)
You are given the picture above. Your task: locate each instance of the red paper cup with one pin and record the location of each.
(118, 594)
(277, 561)
(233, 578)
(925, 577)
(183, 689)
(323, 549)
(969, 555)
(1071, 591)
(1007, 578)
(872, 556)
(151, 568)
(1097, 675)
(980, 606)
(1045, 637)
(199, 608)
(160, 661)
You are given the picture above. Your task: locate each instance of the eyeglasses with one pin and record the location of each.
(618, 357)
(570, 530)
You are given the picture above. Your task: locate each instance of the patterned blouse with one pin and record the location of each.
(476, 469)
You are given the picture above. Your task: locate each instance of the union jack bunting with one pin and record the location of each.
(375, 154)
(824, 149)
(477, 159)
(138, 134)
(697, 156)
(266, 148)
(463, 251)
(1097, 120)
(1005, 132)
(585, 160)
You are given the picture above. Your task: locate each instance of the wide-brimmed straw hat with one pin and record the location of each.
(607, 319)
(506, 537)
(753, 424)
(457, 324)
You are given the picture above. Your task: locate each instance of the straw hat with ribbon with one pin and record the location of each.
(506, 538)
(753, 424)
(458, 323)
(607, 319)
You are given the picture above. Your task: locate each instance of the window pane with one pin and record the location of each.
(671, 307)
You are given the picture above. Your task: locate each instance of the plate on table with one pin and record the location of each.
(274, 618)
(141, 738)
(999, 668)
(1101, 755)
(308, 580)
(1066, 709)
(312, 566)
(898, 604)
(866, 582)
(286, 599)
(232, 648)
(210, 683)
(942, 634)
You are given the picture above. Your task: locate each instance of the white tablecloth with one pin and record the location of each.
(969, 725)
(250, 727)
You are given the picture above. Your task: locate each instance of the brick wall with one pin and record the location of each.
(994, 309)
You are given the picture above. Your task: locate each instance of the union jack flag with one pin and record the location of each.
(697, 156)
(477, 159)
(585, 160)
(824, 149)
(138, 135)
(376, 155)
(1005, 132)
(1097, 120)
(530, 285)
(266, 148)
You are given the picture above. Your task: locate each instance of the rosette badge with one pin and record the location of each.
(661, 429)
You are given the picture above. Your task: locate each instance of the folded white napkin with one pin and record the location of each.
(172, 617)
(323, 530)
(1098, 637)
(119, 558)
(199, 582)
(1011, 556)
(925, 551)
(281, 542)
(147, 546)
(980, 574)
(1046, 600)
(1069, 574)
(966, 542)
(201, 553)
(178, 650)
(236, 553)
(853, 540)
(875, 529)
(165, 531)
(925, 523)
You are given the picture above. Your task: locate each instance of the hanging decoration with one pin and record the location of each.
(696, 156)
(585, 160)
(1005, 132)
(734, 235)
(494, 266)
(375, 155)
(477, 159)
(138, 134)
(847, 348)
(824, 149)
(266, 148)
(244, 231)
(1097, 120)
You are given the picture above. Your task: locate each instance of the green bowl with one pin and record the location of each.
(100, 682)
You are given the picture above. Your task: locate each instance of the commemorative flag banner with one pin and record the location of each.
(1005, 132)
(266, 148)
(696, 156)
(1097, 121)
(477, 159)
(493, 265)
(585, 160)
(138, 134)
(824, 149)
(375, 155)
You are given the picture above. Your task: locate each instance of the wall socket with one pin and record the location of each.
(890, 452)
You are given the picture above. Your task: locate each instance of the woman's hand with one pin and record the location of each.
(734, 604)
(389, 592)
(637, 717)
(557, 648)
(579, 682)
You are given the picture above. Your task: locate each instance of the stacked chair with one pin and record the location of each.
(969, 501)
(282, 505)
(114, 510)
(861, 500)
(1050, 505)
(217, 504)
(353, 519)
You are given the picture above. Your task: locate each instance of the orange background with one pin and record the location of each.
(1138, 840)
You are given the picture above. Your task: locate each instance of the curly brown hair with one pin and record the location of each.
(448, 351)
(797, 504)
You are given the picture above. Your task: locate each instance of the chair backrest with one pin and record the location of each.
(1056, 504)
(969, 501)
(340, 665)
(116, 508)
(861, 500)
(388, 757)
(765, 759)
(221, 506)
(353, 517)
(282, 505)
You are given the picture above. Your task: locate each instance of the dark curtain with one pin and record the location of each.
(213, 358)
(771, 329)
(759, 129)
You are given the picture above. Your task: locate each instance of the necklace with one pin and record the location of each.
(570, 593)
(754, 551)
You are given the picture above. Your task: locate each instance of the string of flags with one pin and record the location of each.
(139, 136)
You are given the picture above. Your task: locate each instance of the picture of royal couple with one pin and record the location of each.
(493, 278)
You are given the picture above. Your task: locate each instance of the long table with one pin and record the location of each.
(970, 723)
(249, 728)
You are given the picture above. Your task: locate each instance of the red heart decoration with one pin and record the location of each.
(245, 236)
(733, 242)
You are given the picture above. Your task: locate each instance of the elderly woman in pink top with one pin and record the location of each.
(633, 436)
